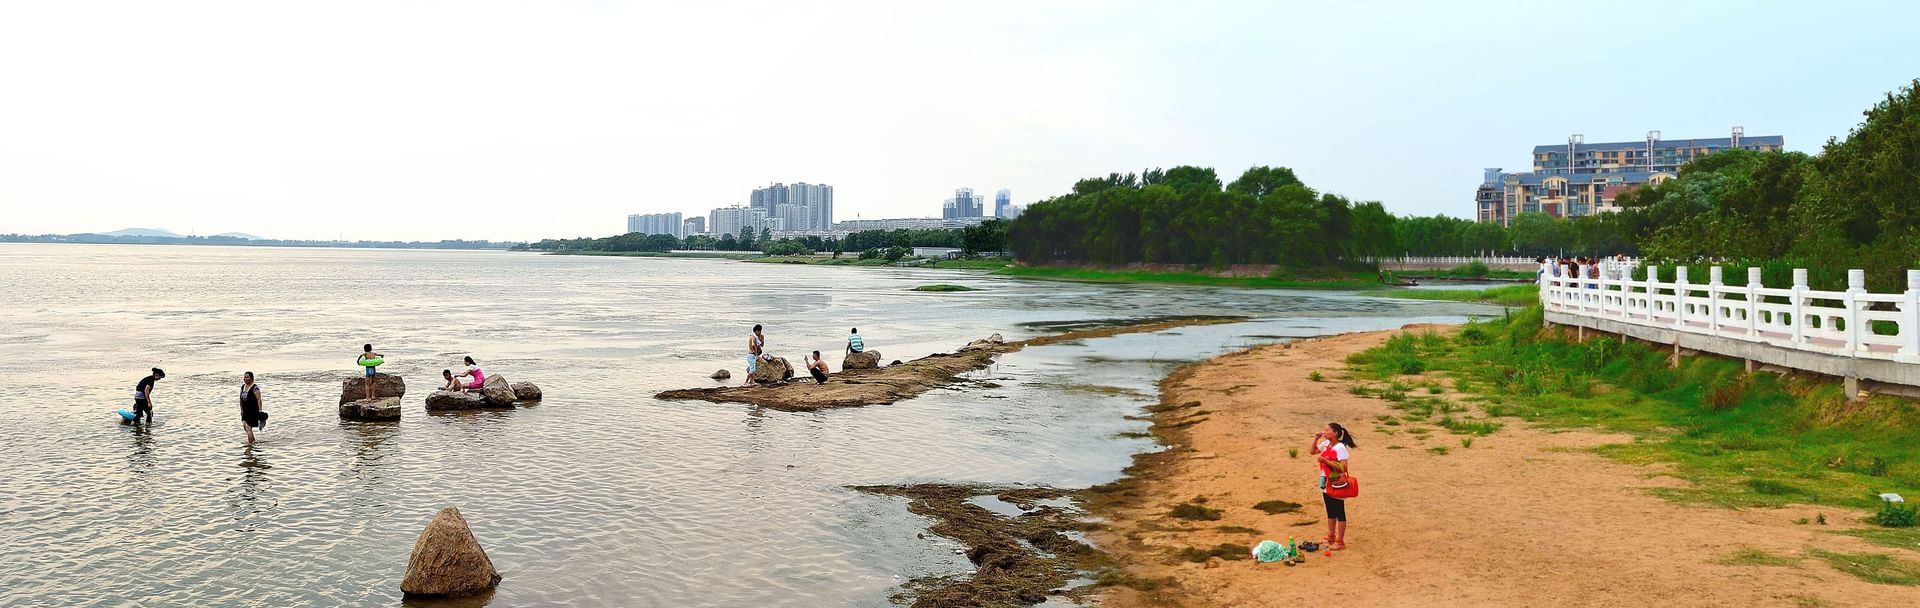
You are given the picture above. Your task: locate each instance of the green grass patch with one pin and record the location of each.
(1276, 507)
(1238, 530)
(1193, 511)
(1438, 450)
(1508, 295)
(1898, 538)
(1756, 557)
(1226, 551)
(1360, 280)
(944, 287)
(1872, 567)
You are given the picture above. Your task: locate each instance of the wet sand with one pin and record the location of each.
(854, 388)
(1525, 517)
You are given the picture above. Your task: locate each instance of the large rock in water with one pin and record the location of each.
(771, 371)
(721, 375)
(447, 560)
(866, 359)
(447, 401)
(497, 392)
(526, 391)
(384, 385)
(379, 408)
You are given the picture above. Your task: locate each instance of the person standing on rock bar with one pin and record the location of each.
(251, 414)
(854, 343)
(143, 396)
(818, 368)
(367, 354)
(756, 350)
(1331, 445)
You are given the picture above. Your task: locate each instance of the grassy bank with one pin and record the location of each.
(854, 260)
(731, 255)
(1509, 295)
(1358, 280)
(1742, 440)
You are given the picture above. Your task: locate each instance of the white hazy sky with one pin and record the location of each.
(525, 120)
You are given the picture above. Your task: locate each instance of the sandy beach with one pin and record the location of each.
(1523, 517)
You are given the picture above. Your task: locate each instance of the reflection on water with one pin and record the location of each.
(600, 495)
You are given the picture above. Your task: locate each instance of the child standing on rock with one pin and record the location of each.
(367, 354)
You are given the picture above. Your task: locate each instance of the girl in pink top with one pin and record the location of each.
(473, 371)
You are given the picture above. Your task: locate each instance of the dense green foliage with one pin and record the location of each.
(1850, 207)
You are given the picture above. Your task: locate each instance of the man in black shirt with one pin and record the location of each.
(143, 395)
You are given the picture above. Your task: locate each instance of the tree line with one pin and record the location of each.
(987, 237)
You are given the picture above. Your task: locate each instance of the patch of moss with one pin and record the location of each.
(1193, 511)
(1276, 507)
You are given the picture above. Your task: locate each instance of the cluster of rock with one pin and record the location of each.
(992, 342)
(388, 389)
(496, 392)
(385, 404)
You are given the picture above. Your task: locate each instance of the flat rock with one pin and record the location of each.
(447, 401)
(497, 392)
(384, 385)
(379, 408)
(866, 359)
(447, 560)
(526, 391)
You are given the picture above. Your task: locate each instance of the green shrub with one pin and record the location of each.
(1896, 515)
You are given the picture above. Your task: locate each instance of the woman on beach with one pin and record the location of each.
(143, 395)
(251, 415)
(1331, 445)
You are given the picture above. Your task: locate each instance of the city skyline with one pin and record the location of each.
(137, 119)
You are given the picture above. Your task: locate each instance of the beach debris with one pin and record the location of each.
(721, 375)
(1892, 497)
(447, 560)
(384, 385)
(526, 391)
(448, 401)
(375, 409)
(868, 359)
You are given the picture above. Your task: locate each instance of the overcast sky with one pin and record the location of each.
(526, 120)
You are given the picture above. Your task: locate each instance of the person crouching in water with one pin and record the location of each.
(817, 367)
(251, 414)
(143, 396)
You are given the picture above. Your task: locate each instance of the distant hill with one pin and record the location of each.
(142, 232)
(241, 235)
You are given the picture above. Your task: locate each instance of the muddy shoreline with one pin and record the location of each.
(862, 387)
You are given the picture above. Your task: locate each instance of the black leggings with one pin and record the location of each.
(142, 409)
(1336, 508)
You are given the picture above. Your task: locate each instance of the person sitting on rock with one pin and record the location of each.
(452, 384)
(818, 367)
(854, 343)
(473, 371)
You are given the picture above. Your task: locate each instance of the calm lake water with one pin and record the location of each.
(601, 495)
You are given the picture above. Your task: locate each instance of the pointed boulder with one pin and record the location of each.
(447, 561)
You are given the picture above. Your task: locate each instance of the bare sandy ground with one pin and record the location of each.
(1524, 517)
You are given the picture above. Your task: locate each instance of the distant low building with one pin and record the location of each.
(936, 252)
(1581, 179)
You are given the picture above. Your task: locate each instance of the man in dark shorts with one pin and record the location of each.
(143, 396)
(818, 368)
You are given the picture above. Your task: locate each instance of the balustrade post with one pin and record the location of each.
(1856, 286)
(1910, 316)
(1753, 301)
(1680, 298)
(1799, 303)
(1714, 275)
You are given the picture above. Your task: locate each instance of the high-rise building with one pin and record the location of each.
(813, 205)
(963, 204)
(656, 223)
(736, 220)
(1579, 179)
(694, 225)
(1002, 200)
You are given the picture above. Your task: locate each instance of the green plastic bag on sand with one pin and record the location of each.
(1269, 552)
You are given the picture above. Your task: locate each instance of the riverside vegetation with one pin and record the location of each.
(1740, 439)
